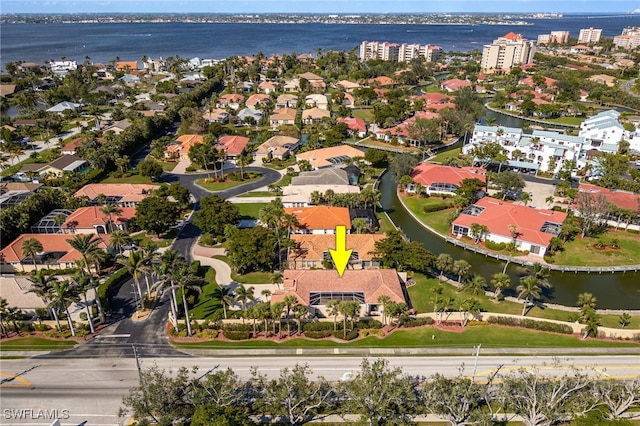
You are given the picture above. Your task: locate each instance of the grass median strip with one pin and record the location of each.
(36, 344)
(431, 337)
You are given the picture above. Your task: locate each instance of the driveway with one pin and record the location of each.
(539, 191)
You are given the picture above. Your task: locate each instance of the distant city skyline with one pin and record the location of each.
(325, 6)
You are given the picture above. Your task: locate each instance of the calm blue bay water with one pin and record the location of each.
(104, 42)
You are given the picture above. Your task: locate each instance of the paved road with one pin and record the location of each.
(123, 331)
(92, 389)
(190, 233)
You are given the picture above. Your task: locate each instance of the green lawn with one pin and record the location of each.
(574, 121)
(424, 337)
(221, 186)
(36, 344)
(257, 194)
(205, 305)
(168, 166)
(365, 114)
(253, 278)
(284, 181)
(385, 223)
(164, 241)
(128, 179)
(423, 292)
(438, 220)
(250, 210)
(446, 154)
(581, 252)
(373, 142)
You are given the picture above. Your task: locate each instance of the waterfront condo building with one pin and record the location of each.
(629, 39)
(376, 50)
(507, 52)
(560, 37)
(408, 52)
(589, 35)
(398, 52)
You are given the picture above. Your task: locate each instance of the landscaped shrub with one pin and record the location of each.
(532, 324)
(41, 327)
(237, 327)
(111, 285)
(236, 335)
(207, 334)
(339, 334)
(416, 322)
(368, 323)
(494, 246)
(369, 332)
(320, 334)
(435, 207)
(25, 327)
(548, 259)
(320, 326)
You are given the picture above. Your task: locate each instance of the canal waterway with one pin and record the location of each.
(613, 291)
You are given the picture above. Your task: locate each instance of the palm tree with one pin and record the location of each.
(334, 310)
(109, 210)
(42, 287)
(266, 293)
(225, 296)
(30, 247)
(384, 300)
(86, 245)
(475, 285)
(444, 262)
(587, 300)
(460, 268)
(4, 309)
(118, 239)
(244, 295)
(276, 278)
(500, 281)
(83, 283)
(300, 312)
(62, 295)
(528, 290)
(171, 261)
(185, 280)
(468, 305)
(136, 265)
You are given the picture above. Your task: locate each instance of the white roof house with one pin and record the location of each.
(603, 131)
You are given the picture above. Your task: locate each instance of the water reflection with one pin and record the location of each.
(613, 291)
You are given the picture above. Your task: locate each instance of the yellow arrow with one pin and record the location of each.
(341, 255)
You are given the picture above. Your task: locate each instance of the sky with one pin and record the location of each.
(315, 6)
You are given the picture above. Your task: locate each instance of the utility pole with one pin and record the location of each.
(475, 364)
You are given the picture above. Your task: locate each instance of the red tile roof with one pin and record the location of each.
(513, 36)
(50, 243)
(455, 84)
(312, 247)
(498, 215)
(428, 173)
(129, 191)
(372, 282)
(233, 145)
(354, 123)
(320, 217)
(88, 217)
(622, 199)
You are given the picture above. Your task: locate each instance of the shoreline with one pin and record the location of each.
(523, 262)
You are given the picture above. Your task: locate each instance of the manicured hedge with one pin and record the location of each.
(416, 322)
(320, 326)
(495, 246)
(110, 285)
(321, 334)
(435, 207)
(532, 324)
(368, 323)
(236, 335)
(339, 334)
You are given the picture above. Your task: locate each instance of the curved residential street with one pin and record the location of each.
(124, 331)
